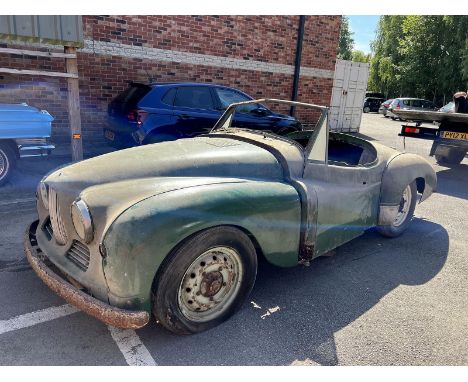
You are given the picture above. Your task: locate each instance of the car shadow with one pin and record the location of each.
(453, 181)
(293, 314)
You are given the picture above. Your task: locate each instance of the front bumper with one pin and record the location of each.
(37, 147)
(104, 312)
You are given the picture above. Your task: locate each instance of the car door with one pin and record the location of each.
(252, 116)
(346, 197)
(194, 110)
(416, 104)
(428, 106)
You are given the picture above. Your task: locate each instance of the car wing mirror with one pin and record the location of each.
(259, 111)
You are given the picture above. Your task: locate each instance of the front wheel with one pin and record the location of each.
(367, 109)
(7, 162)
(405, 213)
(205, 280)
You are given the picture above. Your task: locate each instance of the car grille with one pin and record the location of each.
(48, 229)
(58, 228)
(79, 255)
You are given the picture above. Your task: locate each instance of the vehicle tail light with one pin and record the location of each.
(412, 130)
(397, 106)
(386, 104)
(141, 116)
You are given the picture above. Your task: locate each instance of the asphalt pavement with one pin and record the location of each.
(377, 301)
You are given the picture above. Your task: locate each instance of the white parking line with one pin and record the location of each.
(128, 342)
(133, 350)
(34, 318)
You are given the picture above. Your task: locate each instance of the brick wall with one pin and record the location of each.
(253, 53)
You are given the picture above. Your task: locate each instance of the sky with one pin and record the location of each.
(363, 28)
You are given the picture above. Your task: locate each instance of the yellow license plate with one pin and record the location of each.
(454, 135)
(109, 135)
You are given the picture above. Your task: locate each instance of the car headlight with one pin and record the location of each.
(44, 194)
(82, 220)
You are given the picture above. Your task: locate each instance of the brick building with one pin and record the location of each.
(253, 53)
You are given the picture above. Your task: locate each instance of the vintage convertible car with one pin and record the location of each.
(176, 228)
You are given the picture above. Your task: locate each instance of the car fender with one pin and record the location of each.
(141, 238)
(401, 170)
(160, 123)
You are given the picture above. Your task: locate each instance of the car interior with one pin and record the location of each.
(343, 150)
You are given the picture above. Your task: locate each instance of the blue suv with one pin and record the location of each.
(160, 112)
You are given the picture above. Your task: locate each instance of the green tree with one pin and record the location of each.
(424, 56)
(360, 56)
(384, 75)
(346, 42)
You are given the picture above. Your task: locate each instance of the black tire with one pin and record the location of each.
(393, 118)
(366, 109)
(396, 230)
(167, 306)
(454, 157)
(7, 162)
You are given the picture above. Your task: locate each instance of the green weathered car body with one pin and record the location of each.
(146, 201)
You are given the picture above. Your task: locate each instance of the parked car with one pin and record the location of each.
(384, 107)
(409, 104)
(175, 228)
(372, 104)
(168, 111)
(24, 132)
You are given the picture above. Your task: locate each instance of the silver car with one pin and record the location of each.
(384, 107)
(409, 104)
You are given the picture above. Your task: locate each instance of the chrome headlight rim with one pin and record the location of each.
(44, 194)
(82, 220)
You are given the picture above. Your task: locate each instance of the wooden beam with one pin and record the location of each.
(38, 73)
(24, 52)
(74, 105)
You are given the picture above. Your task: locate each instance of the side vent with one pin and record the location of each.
(47, 228)
(79, 255)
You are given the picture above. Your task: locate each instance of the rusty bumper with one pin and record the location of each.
(104, 312)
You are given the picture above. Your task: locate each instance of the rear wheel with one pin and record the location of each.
(205, 280)
(7, 162)
(453, 157)
(367, 109)
(405, 213)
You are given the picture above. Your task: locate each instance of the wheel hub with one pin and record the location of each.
(211, 284)
(404, 207)
(2, 164)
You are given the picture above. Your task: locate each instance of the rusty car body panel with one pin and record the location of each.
(293, 196)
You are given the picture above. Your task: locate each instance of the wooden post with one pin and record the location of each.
(74, 106)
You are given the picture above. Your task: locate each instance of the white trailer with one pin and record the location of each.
(348, 93)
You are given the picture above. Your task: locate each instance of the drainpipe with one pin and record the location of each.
(297, 64)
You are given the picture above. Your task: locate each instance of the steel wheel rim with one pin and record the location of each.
(210, 284)
(3, 165)
(404, 207)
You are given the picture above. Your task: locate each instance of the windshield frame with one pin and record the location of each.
(224, 122)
